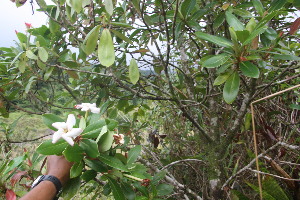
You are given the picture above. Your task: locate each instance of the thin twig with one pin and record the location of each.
(179, 161)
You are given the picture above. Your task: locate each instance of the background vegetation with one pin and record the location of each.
(178, 77)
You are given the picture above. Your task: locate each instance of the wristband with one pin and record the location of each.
(52, 179)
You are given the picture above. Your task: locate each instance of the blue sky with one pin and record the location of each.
(13, 18)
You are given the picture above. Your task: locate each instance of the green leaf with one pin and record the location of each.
(76, 169)
(90, 41)
(295, 106)
(109, 7)
(106, 53)
(48, 148)
(76, 5)
(96, 165)
(249, 69)
(219, 20)
(106, 141)
(220, 41)
(128, 191)
(31, 55)
(276, 5)
(216, 61)
(22, 37)
(43, 54)
(49, 119)
(242, 35)
(48, 73)
(116, 189)
(73, 153)
(164, 189)
(234, 22)
(231, 88)
(71, 188)
(93, 130)
(133, 154)
(158, 177)
(254, 34)
(286, 57)
(122, 36)
(28, 86)
(88, 175)
(90, 147)
(186, 7)
(16, 162)
(251, 25)
(259, 7)
(222, 78)
(134, 73)
(113, 162)
(121, 25)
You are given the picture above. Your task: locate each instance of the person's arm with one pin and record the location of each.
(57, 166)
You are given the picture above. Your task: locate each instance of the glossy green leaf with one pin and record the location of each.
(73, 153)
(31, 55)
(93, 130)
(106, 141)
(186, 7)
(242, 12)
(88, 175)
(76, 169)
(259, 7)
(96, 165)
(128, 191)
(220, 41)
(134, 73)
(216, 61)
(286, 57)
(233, 21)
(106, 53)
(76, 5)
(22, 37)
(249, 69)
(254, 34)
(90, 42)
(116, 189)
(48, 148)
(133, 154)
(222, 78)
(109, 7)
(16, 162)
(120, 24)
(219, 20)
(49, 119)
(231, 88)
(113, 162)
(43, 54)
(90, 147)
(121, 36)
(71, 188)
(276, 5)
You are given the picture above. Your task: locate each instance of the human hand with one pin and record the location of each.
(59, 167)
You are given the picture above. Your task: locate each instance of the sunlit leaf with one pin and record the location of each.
(106, 53)
(216, 61)
(109, 7)
(90, 42)
(249, 69)
(134, 73)
(220, 41)
(231, 88)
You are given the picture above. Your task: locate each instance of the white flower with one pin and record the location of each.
(88, 107)
(66, 131)
(119, 138)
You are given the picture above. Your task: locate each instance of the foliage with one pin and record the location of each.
(188, 69)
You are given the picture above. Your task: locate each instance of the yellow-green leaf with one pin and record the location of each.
(216, 61)
(31, 55)
(231, 88)
(109, 7)
(76, 5)
(90, 42)
(43, 54)
(222, 78)
(134, 73)
(106, 53)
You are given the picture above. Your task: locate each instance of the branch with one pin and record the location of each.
(179, 161)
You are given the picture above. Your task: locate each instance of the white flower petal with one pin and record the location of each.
(57, 135)
(71, 121)
(95, 110)
(79, 106)
(74, 132)
(59, 125)
(68, 139)
(85, 108)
